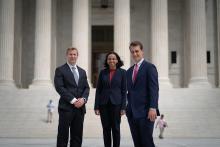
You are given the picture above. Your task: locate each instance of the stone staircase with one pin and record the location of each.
(189, 113)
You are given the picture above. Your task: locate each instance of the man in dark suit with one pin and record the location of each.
(71, 83)
(142, 107)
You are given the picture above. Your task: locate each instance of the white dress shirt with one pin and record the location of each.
(77, 72)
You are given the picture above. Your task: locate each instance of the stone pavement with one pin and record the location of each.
(97, 142)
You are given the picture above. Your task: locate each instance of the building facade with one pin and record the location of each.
(181, 37)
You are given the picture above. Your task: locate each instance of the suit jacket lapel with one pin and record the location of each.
(131, 75)
(108, 77)
(80, 74)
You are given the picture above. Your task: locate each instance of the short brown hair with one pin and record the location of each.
(136, 43)
(71, 49)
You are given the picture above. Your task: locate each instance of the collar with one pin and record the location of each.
(139, 63)
(70, 65)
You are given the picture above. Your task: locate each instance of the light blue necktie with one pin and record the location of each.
(75, 75)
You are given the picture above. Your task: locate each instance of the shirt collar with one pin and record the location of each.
(70, 65)
(139, 63)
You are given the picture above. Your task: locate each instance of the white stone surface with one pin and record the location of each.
(42, 65)
(122, 30)
(98, 142)
(81, 33)
(7, 9)
(140, 24)
(211, 42)
(190, 113)
(197, 20)
(218, 28)
(159, 40)
(100, 16)
(140, 21)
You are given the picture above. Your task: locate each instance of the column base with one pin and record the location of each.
(7, 84)
(41, 84)
(199, 83)
(164, 83)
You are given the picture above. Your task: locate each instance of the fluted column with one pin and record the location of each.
(7, 10)
(81, 34)
(122, 30)
(159, 40)
(42, 64)
(197, 30)
(218, 28)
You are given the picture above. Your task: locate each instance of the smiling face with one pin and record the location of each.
(112, 61)
(72, 56)
(137, 53)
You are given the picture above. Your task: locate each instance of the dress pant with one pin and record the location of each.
(70, 121)
(141, 131)
(111, 119)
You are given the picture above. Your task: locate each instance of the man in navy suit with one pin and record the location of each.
(143, 89)
(71, 83)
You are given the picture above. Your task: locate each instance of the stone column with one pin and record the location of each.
(81, 34)
(197, 33)
(218, 28)
(7, 9)
(122, 30)
(186, 54)
(42, 64)
(159, 40)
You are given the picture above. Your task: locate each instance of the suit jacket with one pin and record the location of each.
(115, 91)
(68, 89)
(144, 92)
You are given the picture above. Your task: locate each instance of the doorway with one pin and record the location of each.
(102, 43)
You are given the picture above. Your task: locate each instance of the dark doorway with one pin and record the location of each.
(102, 43)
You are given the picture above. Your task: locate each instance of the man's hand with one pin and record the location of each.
(152, 114)
(97, 112)
(122, 112)
(79, 103)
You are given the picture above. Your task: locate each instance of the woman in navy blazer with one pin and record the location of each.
(110, 99)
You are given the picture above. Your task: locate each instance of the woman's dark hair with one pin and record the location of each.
(118, 65)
